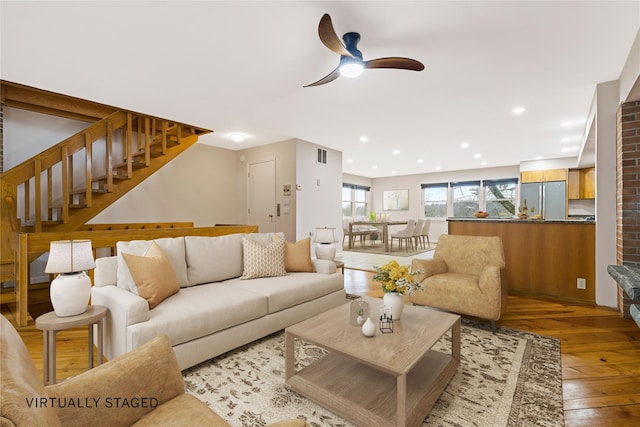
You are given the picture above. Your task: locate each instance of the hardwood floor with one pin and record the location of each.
(600, 352)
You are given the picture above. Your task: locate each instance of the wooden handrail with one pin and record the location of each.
(37, 243)
(52, 155)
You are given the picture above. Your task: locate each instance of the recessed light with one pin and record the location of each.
(565, 124)
(349, 160)
(437, 167)
(375, 166)
(364, 139)
(420, 161)
(396, 151)
(566, 139)
(539, 157)
(464, 145)
(393, 172)
(484, 163)
(477, 156)
(237, 137)
(519, 110)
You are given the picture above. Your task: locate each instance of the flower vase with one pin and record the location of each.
(393, 304)
(369, 328)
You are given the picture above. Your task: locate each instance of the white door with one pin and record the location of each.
(261, 195)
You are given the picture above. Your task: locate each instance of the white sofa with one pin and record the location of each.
(214, 311)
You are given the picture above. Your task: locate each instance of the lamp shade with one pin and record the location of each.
(70, 256)
(326, 235)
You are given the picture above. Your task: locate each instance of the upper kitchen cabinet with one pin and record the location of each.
(582, 184)
(543, 175)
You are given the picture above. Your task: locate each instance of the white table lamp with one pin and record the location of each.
(71, 289)
(325, 238)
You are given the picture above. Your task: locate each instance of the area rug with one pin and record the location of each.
(511, 378)
(379, 249)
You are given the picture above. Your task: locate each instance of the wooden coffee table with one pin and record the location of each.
(392, 379)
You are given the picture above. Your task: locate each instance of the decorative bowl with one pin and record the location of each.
(481, 214)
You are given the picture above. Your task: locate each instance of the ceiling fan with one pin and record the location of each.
(351, 62)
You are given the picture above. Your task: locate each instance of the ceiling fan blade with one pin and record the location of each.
(326, 79)
(329, 37)
(395, 62)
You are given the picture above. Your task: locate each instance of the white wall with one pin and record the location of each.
(319, 201)
(26, 134)
(412, 183)
(195, 187)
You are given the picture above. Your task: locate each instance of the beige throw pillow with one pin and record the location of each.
(153, 275)
(263, 260)
(297, 256)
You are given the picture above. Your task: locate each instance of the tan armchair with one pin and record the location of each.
(148, 377)
(464, 277)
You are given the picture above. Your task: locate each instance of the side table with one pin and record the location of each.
(50, 324)
(339, 265)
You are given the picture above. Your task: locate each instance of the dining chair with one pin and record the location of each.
(425, 232)
(405, 234)
(417, 234)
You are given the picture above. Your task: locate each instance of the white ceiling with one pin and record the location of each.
(241, 66)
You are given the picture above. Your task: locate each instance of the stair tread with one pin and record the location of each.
(104, 177)
(93, 190)
(134, 163)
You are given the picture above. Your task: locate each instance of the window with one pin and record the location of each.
(465, 198)
(355, 200)
(500, 197)
(434, 200)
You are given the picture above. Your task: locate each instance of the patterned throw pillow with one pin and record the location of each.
(261, 260)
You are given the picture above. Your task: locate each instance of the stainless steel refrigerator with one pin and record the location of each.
(546, 198)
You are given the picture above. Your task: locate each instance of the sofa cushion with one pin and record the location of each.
(172, 247)
(213, 259)
(264, 238)
(153, 275)
(263, 260)
(292, 289)
(197, 311)
(297, 256)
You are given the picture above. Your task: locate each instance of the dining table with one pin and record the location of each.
(385, 230)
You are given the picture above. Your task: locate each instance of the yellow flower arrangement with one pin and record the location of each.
(397, 278)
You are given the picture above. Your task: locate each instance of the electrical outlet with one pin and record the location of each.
(582, 283)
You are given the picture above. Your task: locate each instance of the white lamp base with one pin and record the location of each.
(70, 294)
(324, 251)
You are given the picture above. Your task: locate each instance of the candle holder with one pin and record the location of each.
(386, 323)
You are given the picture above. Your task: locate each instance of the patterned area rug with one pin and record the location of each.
(512, 378)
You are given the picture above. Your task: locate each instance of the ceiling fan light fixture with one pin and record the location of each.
(351, 69)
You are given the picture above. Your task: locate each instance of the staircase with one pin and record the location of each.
(63, 187)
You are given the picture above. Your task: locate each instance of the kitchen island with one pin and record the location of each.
(543, 257)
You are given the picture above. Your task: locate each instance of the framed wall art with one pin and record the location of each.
(395, 200)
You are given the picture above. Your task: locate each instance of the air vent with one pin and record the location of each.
(322, 156)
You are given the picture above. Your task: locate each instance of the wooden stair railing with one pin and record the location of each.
(63, 187)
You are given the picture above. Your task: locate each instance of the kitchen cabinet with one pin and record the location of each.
(543, 175)
(582, 184)
(543, 258)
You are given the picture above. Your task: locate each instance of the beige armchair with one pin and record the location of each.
(464, 277)
(148, 377)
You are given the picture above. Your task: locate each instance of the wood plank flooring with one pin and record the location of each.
(600, 352)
